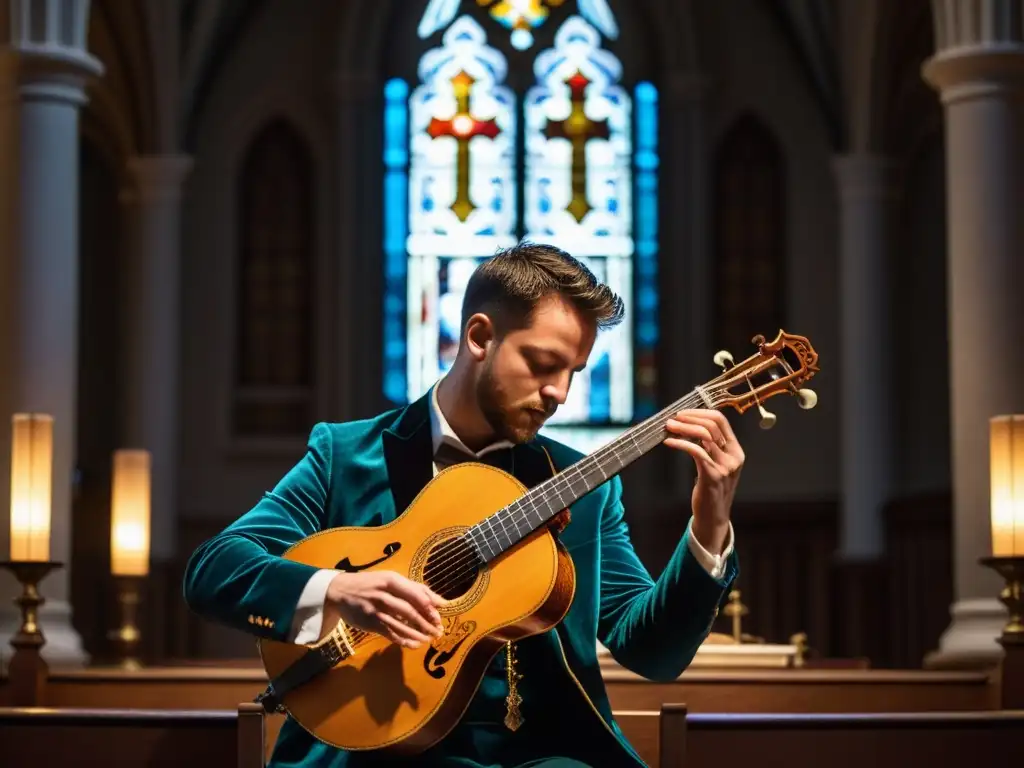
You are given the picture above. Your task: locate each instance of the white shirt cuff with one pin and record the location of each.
(713, 564)
(309, 611)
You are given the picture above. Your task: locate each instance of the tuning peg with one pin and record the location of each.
(808, 398)
(767, 419)
(723, 358)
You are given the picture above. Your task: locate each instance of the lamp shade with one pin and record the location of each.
(31, 486)
(1006, 446)
(130, 511)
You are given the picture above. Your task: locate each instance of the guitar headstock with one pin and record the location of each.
(781, 366)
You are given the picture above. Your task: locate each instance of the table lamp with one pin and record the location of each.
(31, 493)
(129, 546)
(1006, 457)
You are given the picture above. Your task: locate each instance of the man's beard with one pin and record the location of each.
(514, 422)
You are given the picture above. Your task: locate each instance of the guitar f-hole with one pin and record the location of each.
(347, 566)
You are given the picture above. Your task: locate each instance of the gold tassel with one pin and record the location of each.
(513, 717)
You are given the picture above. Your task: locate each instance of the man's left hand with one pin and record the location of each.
(707, 436)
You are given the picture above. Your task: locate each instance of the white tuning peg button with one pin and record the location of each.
(808, 398)
(767, 419)
(723, 358)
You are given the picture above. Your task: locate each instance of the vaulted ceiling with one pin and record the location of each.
(208, 30)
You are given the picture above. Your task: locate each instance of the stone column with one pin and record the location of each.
(866, 194)
(978, 70)
(685, 258)
(149, 324)
(44, 67)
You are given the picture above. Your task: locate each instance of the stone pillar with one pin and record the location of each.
(978, 70)
(149, 324)
(44, 67)
(685, 258)
(866, 194)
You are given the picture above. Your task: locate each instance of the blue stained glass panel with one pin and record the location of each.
(645, 159)
(396, 159)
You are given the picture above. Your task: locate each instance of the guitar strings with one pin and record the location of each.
(467, 561)
(564, 480)
(462, 549)
(712, 395)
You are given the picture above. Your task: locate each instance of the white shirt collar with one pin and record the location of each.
(441, 431)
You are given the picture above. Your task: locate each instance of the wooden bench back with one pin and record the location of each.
(31, 737)
(886, 740)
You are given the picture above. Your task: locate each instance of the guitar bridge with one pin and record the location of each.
(341, 643)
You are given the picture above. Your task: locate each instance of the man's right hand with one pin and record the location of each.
(384, 602)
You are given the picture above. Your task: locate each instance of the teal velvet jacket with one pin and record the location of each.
(365, 473)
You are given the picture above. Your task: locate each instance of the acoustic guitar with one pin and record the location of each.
(497, 561)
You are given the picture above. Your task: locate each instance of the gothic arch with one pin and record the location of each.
(275, 269)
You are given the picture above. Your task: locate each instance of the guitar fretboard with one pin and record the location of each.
(508, 526)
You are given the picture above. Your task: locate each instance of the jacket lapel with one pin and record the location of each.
(408, 453)
(408, 456)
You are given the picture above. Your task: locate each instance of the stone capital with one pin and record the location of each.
(33, 73)
(43, 51)
(865, 176)
(156, 178)
(962, 74)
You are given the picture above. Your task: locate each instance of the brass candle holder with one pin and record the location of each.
(29, 574)
(1011, 568)
(127, 636)
(27, 670)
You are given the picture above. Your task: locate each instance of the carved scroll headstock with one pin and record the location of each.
(780, 366)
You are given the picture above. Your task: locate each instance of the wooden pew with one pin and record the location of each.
(222, 687)
(878, 740)
(639, 726)
(641, 729)
(31, 737)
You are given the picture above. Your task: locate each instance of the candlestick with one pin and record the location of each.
(29, 574)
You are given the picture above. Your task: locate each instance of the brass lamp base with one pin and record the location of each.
(29, 574)
(126, 637)
(1012, 596)
(27, 670)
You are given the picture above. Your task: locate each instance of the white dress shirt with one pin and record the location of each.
(308, 620)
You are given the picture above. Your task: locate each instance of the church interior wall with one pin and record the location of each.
(751, 70)
(919, 363)
(271, 72)
(910, 127)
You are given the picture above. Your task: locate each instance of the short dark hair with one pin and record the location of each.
(508, 286)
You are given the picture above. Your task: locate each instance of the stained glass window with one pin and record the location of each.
(460, 184)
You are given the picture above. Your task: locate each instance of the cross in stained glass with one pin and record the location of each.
(578, 129)
(462, 126)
